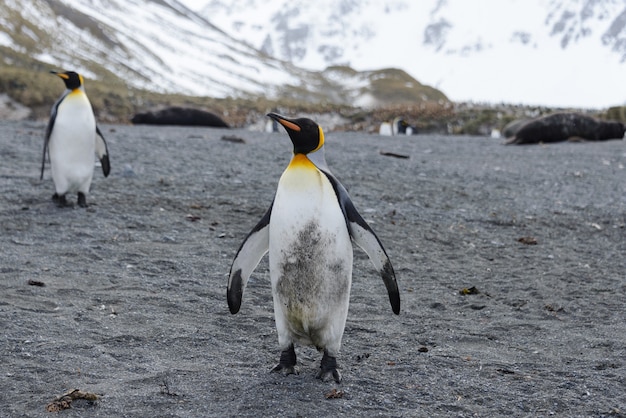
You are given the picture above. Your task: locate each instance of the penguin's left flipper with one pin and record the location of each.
(252, 249)
(103, 152)
(364, 237)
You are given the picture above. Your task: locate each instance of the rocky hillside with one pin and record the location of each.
(146, 52)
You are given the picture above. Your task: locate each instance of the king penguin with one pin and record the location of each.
(72, 138)
(308, 231)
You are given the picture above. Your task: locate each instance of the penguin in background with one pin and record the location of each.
(271, 125)
(72, 138)
(397, 127)
(308, 231)
(402, 127)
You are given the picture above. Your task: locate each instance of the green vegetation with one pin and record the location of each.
(617, 113)
(396, 86)
(30, 83)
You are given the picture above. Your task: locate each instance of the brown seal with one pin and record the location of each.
(567, 126)
(181, 116)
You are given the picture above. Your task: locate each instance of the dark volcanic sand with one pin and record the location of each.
(134, 303)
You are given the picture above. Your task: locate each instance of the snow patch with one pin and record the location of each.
(537, 52)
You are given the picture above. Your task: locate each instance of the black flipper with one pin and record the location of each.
(49, 128)
(364, 237)
(252, 249)
(103, 152)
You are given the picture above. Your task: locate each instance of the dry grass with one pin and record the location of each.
(30, 83)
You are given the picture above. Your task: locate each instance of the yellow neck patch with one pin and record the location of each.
(301, 175)
(300, 161)
(76, 92)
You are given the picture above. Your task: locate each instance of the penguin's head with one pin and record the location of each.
(306, 135)
(71, 79)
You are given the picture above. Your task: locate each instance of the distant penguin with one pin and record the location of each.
(308, 231)
(72, 138)
(271, 126)
(385, 129)
(397, 127)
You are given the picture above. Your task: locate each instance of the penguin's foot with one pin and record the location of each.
(60, 200)
(328, 369)
(82, 200)
(287, 364)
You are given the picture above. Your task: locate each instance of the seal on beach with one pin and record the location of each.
(511, 128)
(308, 231)
(179, 116)
(72, 138)
(566, 126)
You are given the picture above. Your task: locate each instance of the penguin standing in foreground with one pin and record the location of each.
(72, 139)
(308, 231)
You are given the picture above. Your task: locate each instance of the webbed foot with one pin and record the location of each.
(328, 369)
(82, 200)
(60, 200)
(287, 364)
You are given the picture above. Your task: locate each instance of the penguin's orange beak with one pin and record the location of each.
(284, 121)
(62, 75)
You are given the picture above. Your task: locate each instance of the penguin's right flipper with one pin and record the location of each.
(103, 152)
(49, 127)
(253, 248)
(43, 158)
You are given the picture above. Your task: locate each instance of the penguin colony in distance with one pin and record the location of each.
(308, 231)
(397, 127)
(72, 138)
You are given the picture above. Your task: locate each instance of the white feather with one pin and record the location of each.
(73, 144)
(310, 260)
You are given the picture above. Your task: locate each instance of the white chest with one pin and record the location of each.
(305, 199)
(309, 242)
(74, 132)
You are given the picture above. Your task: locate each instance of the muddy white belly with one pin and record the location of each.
(310, 258)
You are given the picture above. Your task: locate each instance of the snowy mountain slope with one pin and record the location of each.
(161, 46)
(550, 52)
